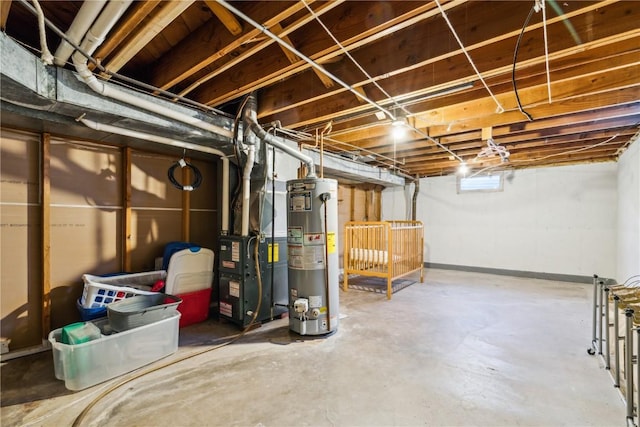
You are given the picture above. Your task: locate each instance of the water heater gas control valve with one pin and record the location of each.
(301, 305)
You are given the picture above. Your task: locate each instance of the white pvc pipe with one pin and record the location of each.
(94, 37)
(81, 23)
(251, 120)
(186, 145)
(246, 189)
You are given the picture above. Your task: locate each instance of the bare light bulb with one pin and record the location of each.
(463, 168)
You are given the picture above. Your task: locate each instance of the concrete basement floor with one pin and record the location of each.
(461, 349)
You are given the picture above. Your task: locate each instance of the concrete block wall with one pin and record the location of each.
(558, 221)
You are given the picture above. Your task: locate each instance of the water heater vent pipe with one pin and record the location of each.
(280, 143)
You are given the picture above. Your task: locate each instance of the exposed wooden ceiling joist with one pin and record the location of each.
(406, 47)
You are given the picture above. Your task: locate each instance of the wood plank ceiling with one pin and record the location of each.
(447, 68)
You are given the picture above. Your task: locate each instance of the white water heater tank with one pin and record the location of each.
(312, 243)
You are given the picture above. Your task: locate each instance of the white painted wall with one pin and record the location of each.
(396, 202)
(558, 220)
(629, 213)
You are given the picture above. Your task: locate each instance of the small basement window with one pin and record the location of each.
(486, 183)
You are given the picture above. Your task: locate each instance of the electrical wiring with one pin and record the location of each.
(464, 50)
(78, 420)
(46, 57)
(197, 180)
(376, 84)
(564, 153)
(493, 149)
(153, 90)
(546, 48)
(577, 150)
(515, 59)
(322, 70)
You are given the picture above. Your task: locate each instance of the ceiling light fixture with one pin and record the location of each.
(492, 149)
(463, 169)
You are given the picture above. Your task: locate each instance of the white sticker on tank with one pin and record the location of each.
(306, 257)
(314, 238)
(294, 235)
(315, 301)
(298, 202)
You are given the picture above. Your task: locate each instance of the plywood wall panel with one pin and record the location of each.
(20, 276)
(86, 222)
(206, 196)
(85, 215)
(150, 184)
(84, 174)
(151, 230)
(20, 230)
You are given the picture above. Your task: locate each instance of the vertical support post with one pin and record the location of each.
(352, 203)
(126, 209)
(628, 369)
(186, 207)
(45, 183)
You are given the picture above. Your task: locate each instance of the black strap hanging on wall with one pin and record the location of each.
(197, 176)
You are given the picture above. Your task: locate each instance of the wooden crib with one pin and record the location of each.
(387, 249)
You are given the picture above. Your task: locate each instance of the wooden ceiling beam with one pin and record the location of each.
(581, 109)
(160, 17)
(470, 155)
(5, 7)
(418, 154)
(141, 10)
(351, 37)
(493, 57)
(229, 61)
(293, 58)
(450, 167)
(227, 18)
(208, 44)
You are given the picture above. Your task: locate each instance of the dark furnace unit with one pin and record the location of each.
(240, 284)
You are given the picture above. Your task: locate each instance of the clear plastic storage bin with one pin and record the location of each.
(114, 354)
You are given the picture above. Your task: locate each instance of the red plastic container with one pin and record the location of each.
(194, 307)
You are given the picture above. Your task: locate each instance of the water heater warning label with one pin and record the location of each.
(300, 202)
(331, 243)
(306, 257)
(294, 235)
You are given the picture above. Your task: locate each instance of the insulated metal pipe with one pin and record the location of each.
(94, 37)
(246, 189)
(251, 120)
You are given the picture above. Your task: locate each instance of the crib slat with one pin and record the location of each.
(387, 249)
